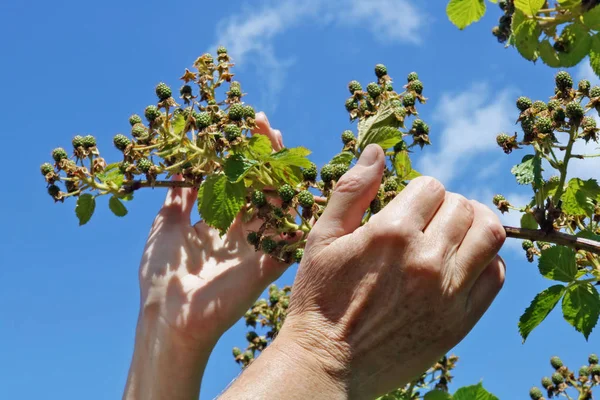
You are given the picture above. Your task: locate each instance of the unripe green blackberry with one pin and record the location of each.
(502, 4)
(553, 105)
(347, 137)
(413, 76)
(151, 113)
(274, 297)
(400, 146)
(258, 198)
(235, 91)
(502, 139)
(236, 112)
(207, 57)
(236, 352)
(554, 179)
(121, 141)
(420, 127)
(593, 359)
(89, 141)
(595, 91)
(375, 206)
(527, 244)
(408, 100)
(211, 102)
(46, 168)
(203, 120)
(310, 174)
(380, 70)
(563, 80)
(278, 212)
(59, 154)
(535, 393)
(298, 254)
(584, 86)
(286, 192)
(524, 103)
(555, 361)
(544, 125)
(497, 199)
(339, 170)
(249, 112)
(77, 141)
(163, 91)
(389, 87)
(595, 370)
(574, 111)
(539, 105)
(584, 370)
(253, 238)
(144, 165)
(557, 378)
(417, 86)
(306, 199)
(123, 166)
(391, 185)
(138, 130)
(327, 173)
(248, 355)
(53, 190)
(351, 104)
(135, 119)
(232, 132)
(527, 125)
(221, 50)
(250, 336)
(547, 383)
(588, 123)
(373, 89)
(268, 245)
(354, 86)
(559, 115)
(185, 90)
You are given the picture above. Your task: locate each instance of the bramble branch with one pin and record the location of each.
(559, 238)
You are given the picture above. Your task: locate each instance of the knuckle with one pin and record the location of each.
(349, 183)
(430, 184)
(394, 233)
(495, 232)
(463, 205)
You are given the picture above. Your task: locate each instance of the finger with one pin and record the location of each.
(415, 205)
(481, 243)
(485, 289)
(179, 203)
(350, 198)
(263, 127)
(450, 224)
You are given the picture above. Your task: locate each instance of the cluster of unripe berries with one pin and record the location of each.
(563, 378)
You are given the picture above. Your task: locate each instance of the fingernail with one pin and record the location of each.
(369, 156)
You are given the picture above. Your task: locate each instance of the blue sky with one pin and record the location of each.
(69, 297)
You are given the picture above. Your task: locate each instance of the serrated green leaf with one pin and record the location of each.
(384, 136)
(115, 176)
(579, 197)
(580, 40)
(591, 19)
(345, 157)
(463, 13)
(178, 124)
(528, 222)
(437, 395)
(548, 55)
(581, 307)
(526, 39)
(569, 4)
(117, 207)
(86, 204)
(220, 201)
(237, 167)
(385, 117)
(412, 175)
(558, 263)
(292, 157)
(529, 7)
(474, 392)
(260, 146)
(402, 165)
(539, 309)
(529, 171)
(595, 52)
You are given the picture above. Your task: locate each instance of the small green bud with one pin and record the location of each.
(46, 168)
(89, 141)
(306, 199)
(413, 76)
(553, 105)
(555, 361)
(232, 132)
(310, 174)
(547, 383)
(185, 91)
(416, 86)
(584, 86)
(557, 378)
(59, 154)
(373, 89)
(391, 185)
(144, 165)
(249, 112)
(554, 179)
(236, 352)
(339, 170)
(268, 245)
(574, 111)
(253, 238)
(53, 190)
(497, 199)
(595, 92)
(286, 192)
(298, 254)
(235, 91)
(258, 198)
(502, 139)
(408, 100)
(248, 355)
(535, 393)
(527, 244)
(151, 113)
(203, 120)
(123, 166)
(584, 371)
(588, 123)
(524, 103)
(544, 125)
(595, 370)
(221, 50)
(593, 359)
(351, 104)
(163, 92)
(389, 87)
(563, 80)
(380, 70)
(327, 173)
(420, 127)
(77, 141)
(400, 146)
(121, 141)
(236, 112)
(138, 131)
(354, 86)
(347, 137)
(135, 119)
(250, 336)
(539, 105)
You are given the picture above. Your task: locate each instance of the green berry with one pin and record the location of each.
(306, 199)
(286, 192)
(389, 87)
(138, 131)
(135, 119)
(151, 113)
(539, 105)
(351, 104)
(420, 127)
(327, 173)
(298, 254)
(268, 245)
(584, 371)
(555, 361)
(144, 165)
(354, 86)
(163, 92)
(553, 105)
(557, 378)
(232, 132)
(248, 355)
(588, 123)
(554, 179)
(274, 297)
(574, 111)
(535, 393)
(249, 112)
(347, 137)
(595, 91)
(123, 166)
(121, 141)
(339, 170)
(502, 139)
(185, 90)
(544, 125)
(46, 168)
(380, 70)
(373, 89)
(235, 91)
(236, 112)
(527, 244)
(559, 115)
(563, 80)
(207, 57)
(375, 206)
(391, 185)
(412, 77)
(53, 190)
(584, 86)
(310, 174)
(203, 120)
(408, 100)
(211, 102)
(527, 125)
(250, 336)
(236, 352)
(497, 199)
(524, 103)
(595, 370)
(253, 238)
(221, 50)
(399, 109)
(77, 141)
(416, 86)
(547, 382)
(400, 146)
(89, 141)
(59, 154)
(278, 212)
(258, 198)
(593, 359)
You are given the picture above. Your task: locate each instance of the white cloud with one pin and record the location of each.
(470, 122)
(249, 35)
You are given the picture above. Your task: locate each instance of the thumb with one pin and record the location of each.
(351, 197)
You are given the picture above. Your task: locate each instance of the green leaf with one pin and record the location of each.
(529, 7)
(588, 235)
(117, 207)
(292, 157)
(548, 55)
(529, 171)
(591, 19)
(463, 13)
(345, 157)
(178, 124)
(526, 39)
(220, 201)
(595, 52)
(86, 204)
(558, 263)
(237, 167)
(402, 165)
(528, 222)
(581, 307)
(569, 4)
(539, 309)
(474, 392)
(412, 175)
(385, 117)
(437, 395)
(579, 197)
(114, 175)
(385, 136)
(580, 40)
(260, 145)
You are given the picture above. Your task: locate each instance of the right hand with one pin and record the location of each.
(377, 304)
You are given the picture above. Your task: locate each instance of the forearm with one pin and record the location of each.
(164, 366)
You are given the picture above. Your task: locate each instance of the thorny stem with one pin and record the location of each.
(563, 170)
(562, 239)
